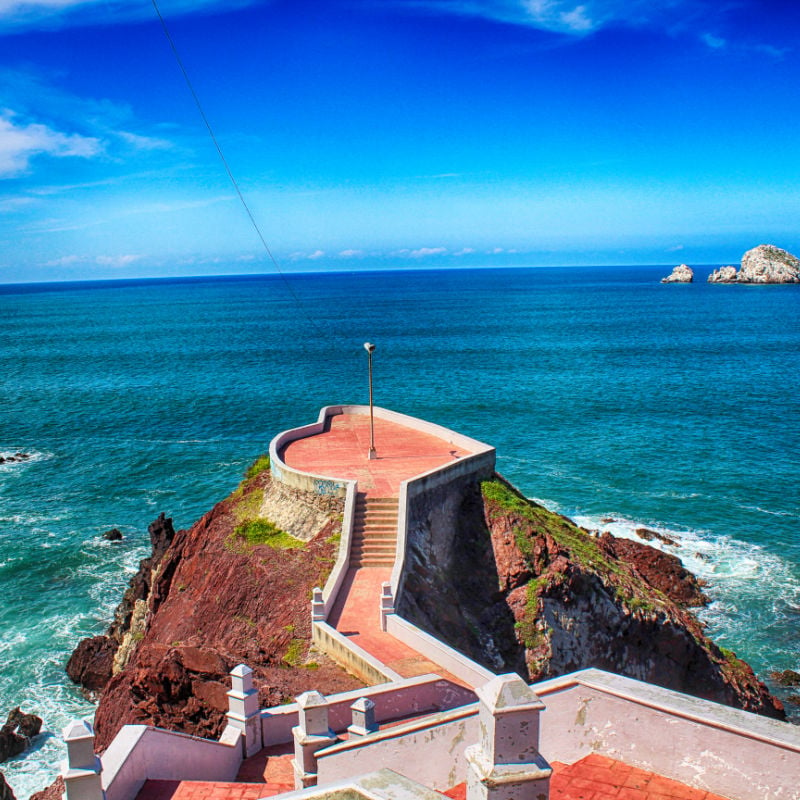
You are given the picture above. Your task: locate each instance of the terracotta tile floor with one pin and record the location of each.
(600, 778)
(341, 452)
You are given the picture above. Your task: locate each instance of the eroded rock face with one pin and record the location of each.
(213, 601)
(91, 663)
(769, 264)
(723, 275)
(680, 274)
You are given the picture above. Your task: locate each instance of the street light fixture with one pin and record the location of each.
(370, 348)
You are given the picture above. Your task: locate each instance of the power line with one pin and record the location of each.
(228, 170)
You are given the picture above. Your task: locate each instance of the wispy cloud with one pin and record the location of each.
(351, 253)
(16, 14)
(562, 16)
(424, 252)
(117, 261)
(20, 142)
(714, 42)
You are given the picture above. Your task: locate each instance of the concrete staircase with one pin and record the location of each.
(374, 532)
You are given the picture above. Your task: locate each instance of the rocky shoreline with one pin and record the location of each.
(526, 590)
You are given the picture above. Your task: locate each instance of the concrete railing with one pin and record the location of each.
(139, 753)
(706, 745)
(463, 667)
(403, 698)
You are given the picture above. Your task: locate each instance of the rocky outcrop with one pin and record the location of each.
(723, 275)
(680, 274)
(5, 789)
(92, 662)
(518, 587)
(763, 264)
(17, 733)
(228, 590)
(17, 457)
(114, 535)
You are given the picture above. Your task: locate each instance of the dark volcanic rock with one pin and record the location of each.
(5, 789)
(661, 570)
(91, 663)
(648, 535)
(16, 734)
(114, 535)
(15, 458)
(786, 678)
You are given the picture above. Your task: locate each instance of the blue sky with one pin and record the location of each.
(394, 133)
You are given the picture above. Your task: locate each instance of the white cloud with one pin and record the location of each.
(351, 253)
(464, 251)
(316, 254)
(20, 142)
(424, 252)
(144, 142)
(117, 261)
(714, 42)
(64, 261)
(563, 16)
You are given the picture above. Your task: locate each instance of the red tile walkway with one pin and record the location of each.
(601, 778)
(341, 452)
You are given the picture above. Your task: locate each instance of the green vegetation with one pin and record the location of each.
(294, 653)
(261, 464)
(262, 531)
(527, 630)
(503, 500)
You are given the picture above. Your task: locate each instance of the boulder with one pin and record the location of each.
(92, 661)
(5, 789)
(681, 274)
(723, 275)
(114, 535)
(786, 678)
(16, 734)
(769, 264)
(15, 458)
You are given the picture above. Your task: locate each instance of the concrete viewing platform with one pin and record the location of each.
(340, 451)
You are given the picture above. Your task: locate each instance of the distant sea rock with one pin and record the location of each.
(723, 275)
(16, 734)
(681, 274)
(763, 264)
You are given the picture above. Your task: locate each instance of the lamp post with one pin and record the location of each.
(370, 348)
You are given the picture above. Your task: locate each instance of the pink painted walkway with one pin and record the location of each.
(402, 453)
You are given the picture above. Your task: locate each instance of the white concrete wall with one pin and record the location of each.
(418, 695)
(429, 750)
(139, 753)
(456, 663)
(705, 745)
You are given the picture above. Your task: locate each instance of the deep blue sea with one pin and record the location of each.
(606, 394)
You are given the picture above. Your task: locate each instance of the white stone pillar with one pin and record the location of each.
(506, 763)
(81, 770)
(317, 605)
(387, 603)
(363, 711)
(310, 735)
(243, 710)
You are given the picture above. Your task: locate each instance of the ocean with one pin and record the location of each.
(611, 398)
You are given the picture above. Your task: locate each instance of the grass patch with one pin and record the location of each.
(262, 531)
(294, 653)
(261, 464)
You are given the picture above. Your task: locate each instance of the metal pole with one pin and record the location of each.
(370, 348)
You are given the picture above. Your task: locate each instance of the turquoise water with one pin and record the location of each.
(606, 394)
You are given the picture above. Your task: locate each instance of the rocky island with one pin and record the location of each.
(680, 274)
(763, 264)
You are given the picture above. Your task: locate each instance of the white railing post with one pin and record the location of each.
(387, 602)
(506, 763)
(363, 711)
(81, 769)
(310, 735)
(243, 711)
(317, 605)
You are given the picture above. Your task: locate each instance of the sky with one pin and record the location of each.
(366, 134)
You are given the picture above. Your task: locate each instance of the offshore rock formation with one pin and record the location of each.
(16, 734)
(522, 588)
(5, 789)
(231, 589)
(681, 274)
(763, 264)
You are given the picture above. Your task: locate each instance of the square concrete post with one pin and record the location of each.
(506, 763)
(317, 605)
(387, 603)
(81, 770)
(363, 717)
(310, 735)
(243, 711)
